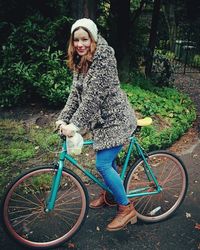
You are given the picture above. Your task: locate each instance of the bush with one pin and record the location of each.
(162, 70)
(34, 62)
(139, 79)
(196, 60)
(53, 83)
(172, 113)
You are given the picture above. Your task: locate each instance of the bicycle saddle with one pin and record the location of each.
(144, 122)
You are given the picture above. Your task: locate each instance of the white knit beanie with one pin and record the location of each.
(88, 24)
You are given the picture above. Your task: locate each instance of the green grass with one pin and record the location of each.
(21, 146)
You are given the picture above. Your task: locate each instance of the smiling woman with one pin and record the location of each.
(98, 104)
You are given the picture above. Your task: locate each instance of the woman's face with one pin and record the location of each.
(82, 41)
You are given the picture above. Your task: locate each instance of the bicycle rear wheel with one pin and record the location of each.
(24, 214)
(172, 177)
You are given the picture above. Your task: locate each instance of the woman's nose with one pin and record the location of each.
(80, 44)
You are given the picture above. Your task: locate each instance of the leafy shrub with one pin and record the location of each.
(172, 113)
(170, 55)
(34, 62)
(139, 79)
(162, 70)
(53, 83)
(197, 60)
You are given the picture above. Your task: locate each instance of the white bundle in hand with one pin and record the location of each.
(74, 144)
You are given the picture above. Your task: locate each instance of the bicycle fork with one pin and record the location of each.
(50, 203)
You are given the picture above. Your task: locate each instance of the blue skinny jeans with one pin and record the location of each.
(106, 165)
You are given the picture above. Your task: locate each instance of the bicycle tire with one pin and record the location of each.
(172, 177)
(23, 210)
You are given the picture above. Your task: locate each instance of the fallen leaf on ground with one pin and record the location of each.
(71, 245)
(197, 226)
(188, 215)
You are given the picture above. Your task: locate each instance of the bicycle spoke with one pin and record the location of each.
(25, 199)
(20, 209)
(67, 203)
(25, 217)
(65, 220)
(66, 194)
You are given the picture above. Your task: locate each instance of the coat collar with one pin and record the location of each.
(101, 45)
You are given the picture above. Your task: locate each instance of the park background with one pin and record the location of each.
(156, 43)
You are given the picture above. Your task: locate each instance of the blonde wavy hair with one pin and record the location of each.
(78, 63)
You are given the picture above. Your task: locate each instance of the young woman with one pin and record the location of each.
(97, 103)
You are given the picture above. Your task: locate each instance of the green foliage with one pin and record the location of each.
(13, 148)
(19, 144)
(20, 147)
(196, 60)
(172, 113)
(32, 61)
(139, 79)
(170, 55)
(162, 70)
(54, 83)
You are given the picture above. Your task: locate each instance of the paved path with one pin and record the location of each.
(175, 233)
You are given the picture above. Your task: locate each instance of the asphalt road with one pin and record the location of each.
(176, 233)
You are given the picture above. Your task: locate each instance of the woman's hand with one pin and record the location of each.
(68, 130)
(58, 124)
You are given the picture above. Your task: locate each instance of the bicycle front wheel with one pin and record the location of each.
(24, 208)
(171, 175)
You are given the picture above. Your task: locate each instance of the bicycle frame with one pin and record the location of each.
(134, 193)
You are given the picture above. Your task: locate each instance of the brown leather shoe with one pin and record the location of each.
(124, 215)
(99, 202)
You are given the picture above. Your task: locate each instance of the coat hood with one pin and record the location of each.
(103, 49)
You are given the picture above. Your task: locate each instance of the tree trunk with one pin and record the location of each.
(153, 36)
(119, 25)
(77, 9)
(84, 8)
(169, 14)
(90, 9)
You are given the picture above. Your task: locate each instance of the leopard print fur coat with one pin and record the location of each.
(96, 101)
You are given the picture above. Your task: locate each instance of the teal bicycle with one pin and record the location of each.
(45, 206)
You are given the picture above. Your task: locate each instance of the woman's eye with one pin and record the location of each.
(83, 40)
